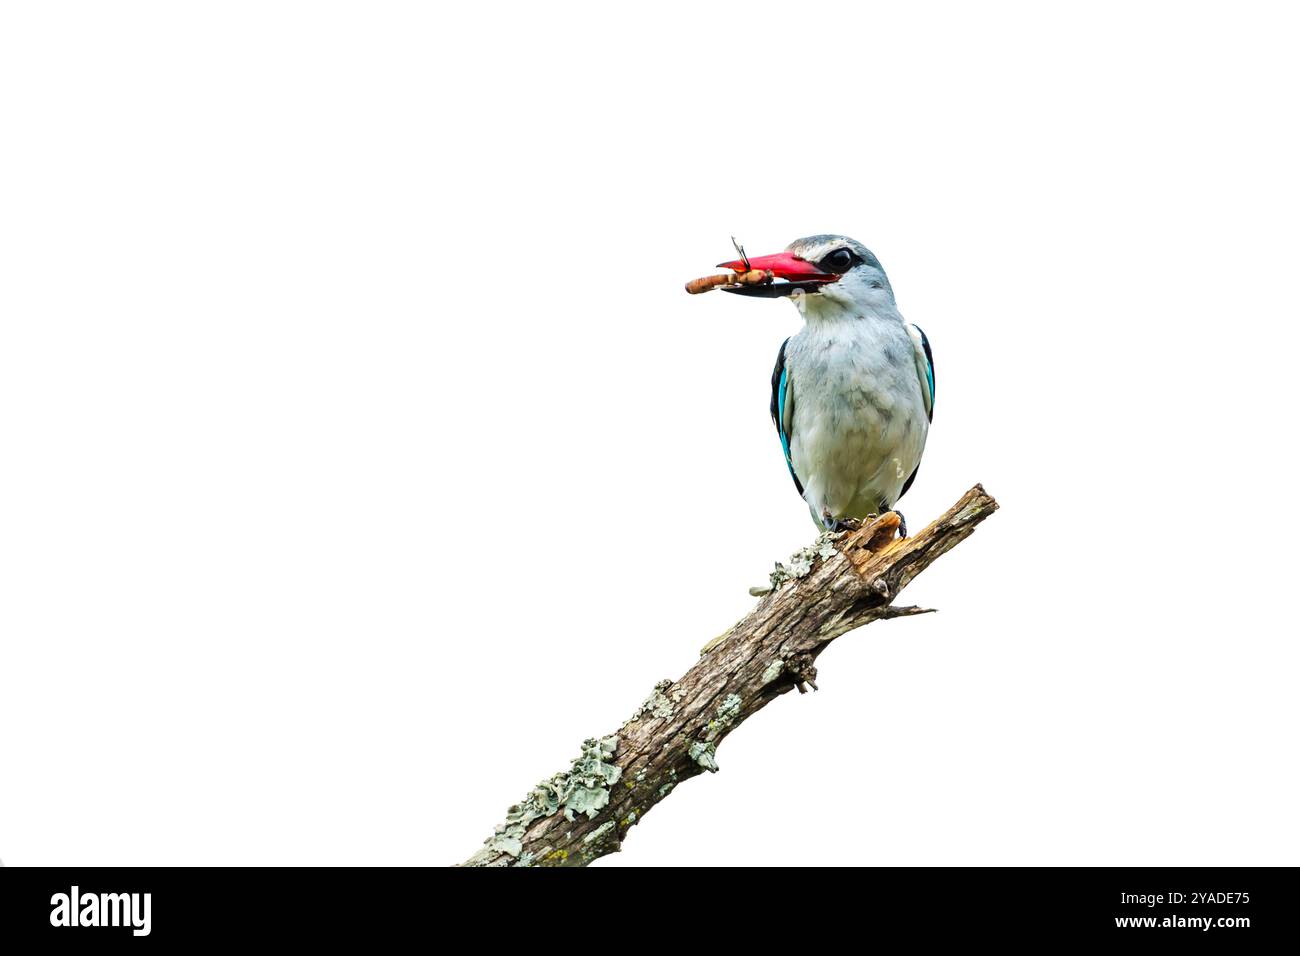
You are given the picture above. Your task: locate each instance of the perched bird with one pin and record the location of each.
(853, 391)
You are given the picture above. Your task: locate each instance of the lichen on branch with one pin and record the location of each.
(842, 581)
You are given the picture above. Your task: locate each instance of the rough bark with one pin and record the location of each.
(842, 582)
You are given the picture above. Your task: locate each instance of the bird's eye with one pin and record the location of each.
(839, 262)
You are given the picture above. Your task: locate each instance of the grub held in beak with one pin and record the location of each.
(799, 274)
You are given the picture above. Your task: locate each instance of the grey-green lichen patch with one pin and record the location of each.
(727, 713)
(802, 561)
(507, 840)
(703, 752)
(773, 670)
(584, 788)
(657, 704)
(729, 708)
(599, 832)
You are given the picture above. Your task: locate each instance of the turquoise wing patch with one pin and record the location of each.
(783, 409)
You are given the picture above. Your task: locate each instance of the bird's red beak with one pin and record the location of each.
(783, 265)
(800, 275)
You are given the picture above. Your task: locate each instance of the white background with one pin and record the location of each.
(362, 453)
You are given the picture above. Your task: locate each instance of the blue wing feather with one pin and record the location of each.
(929, 378)
(929, 366)
(780, 385)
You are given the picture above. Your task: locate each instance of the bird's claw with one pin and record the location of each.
(833, 524)
(856, 524)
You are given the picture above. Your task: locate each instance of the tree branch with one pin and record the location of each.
(839, 583)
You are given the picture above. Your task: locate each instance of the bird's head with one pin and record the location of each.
(834, 270)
